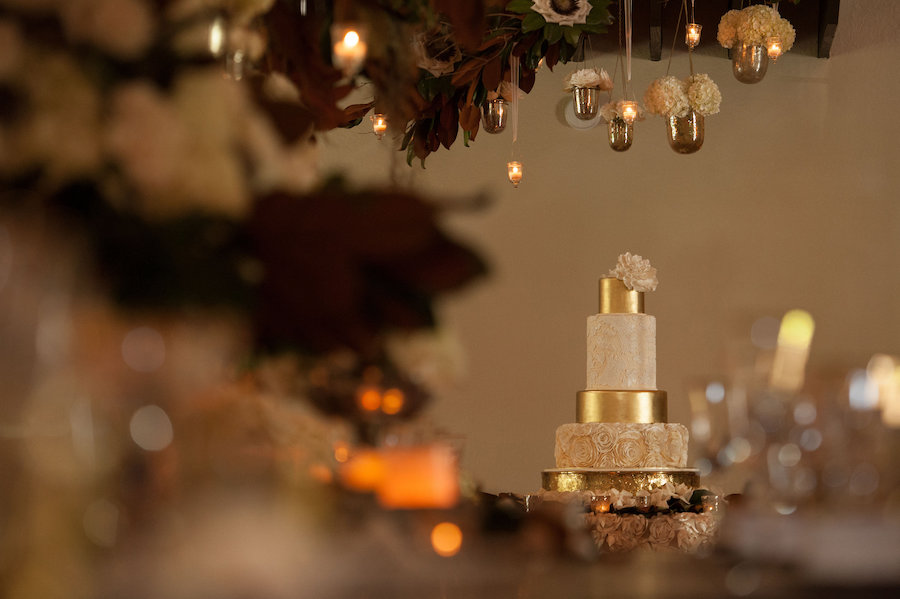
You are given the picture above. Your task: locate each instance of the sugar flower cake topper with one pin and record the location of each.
(635, 272)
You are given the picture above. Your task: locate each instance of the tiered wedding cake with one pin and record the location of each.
(621, 455)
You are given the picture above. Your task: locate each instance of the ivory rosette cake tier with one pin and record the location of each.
(621, 444)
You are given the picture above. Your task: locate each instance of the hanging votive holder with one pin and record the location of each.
(493, 115)
(685, 133)
(621, 134)
(749, 63)
(774, 48)
(692, 35)
(515, 172)
(586, 102)
(629, 111)
(348, 50)
(379, 124)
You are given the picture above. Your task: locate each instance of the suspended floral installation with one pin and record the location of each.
(620, 115)
(585, 86)
(754, 35)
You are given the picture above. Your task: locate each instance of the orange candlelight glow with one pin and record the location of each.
(692, 35)
(773, 47)
(629, 111)
(419, 477)
(369, 398)
(515, 172)
(349, 49)
(364, 471)
(379, 124)
(446, 539)
(392, 401)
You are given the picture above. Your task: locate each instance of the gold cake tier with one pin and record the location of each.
(640, 407)
(616, 298)
(585, 479)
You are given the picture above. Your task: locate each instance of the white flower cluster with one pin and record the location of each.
(563, 12)
(505, 91)
(201, 144)
(754, 25)
(435, 51)
(635, 272)
(671, 96)
(612, 110)
(624, 532)
(588, 78)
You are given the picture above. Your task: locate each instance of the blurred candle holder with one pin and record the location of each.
(600, 504)
(629, 111)
(692, 35)
(348, 51)
(515, 171)
(774, 48)
(379, 124)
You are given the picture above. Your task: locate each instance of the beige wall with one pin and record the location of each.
(794, 201)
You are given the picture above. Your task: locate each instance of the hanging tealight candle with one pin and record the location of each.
(773, 47)
(629, 111)
(349, 47)
(217, 33)
(379, 124)
(515, 172)
(692, 35)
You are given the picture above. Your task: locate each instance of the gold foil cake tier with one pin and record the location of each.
(639, 407)
(586, 479)
(616, 298)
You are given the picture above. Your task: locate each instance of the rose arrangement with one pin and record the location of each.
(671, 96)
(754, 25)
(588, 78)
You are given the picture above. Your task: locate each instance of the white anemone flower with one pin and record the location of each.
(563, 12)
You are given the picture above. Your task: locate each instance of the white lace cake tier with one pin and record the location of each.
(621, 351)
(611, 445)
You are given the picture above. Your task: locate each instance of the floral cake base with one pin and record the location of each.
(682, 531)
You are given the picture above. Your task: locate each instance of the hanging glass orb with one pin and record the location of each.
(379, 124)
(515, 171)
(586, 102)
(749, 63)
(621, 134)
(629, 111)
(685, 133)
(774, 48)
(692, 35)
(493, 115)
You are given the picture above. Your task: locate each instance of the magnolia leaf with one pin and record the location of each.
(490, 77)
(553, 32)
(552, 56)
(598, 14)
(532, 22)
(572, 35)
(519, 6)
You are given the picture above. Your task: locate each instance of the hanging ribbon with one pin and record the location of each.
(627, 42)
(514, 102)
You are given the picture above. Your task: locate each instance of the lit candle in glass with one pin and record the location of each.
(217, 36)
(419, 477)
(349, 49)
(773, 47)
(629, 111)
(600, 504)
(692, 35)
(515, 171)
(379, 124)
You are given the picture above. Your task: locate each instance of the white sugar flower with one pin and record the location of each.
(704, 94)
(588, 78)
(635, 272)
(667, 96)
(562, 12)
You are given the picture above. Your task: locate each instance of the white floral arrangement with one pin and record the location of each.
(671, 96)
(563, 12)
(505, 92)
(683, 531)
(636, 272)
(613, 110)
(435, 51)
(753, 26)
(592, 78)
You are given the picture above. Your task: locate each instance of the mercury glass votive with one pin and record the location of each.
(692, 35)
(515, 172)
(600, 504)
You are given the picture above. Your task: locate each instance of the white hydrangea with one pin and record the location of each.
(703, 94)
(667, 96)
(754, 25)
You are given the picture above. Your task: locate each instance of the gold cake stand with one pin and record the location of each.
(631, 480)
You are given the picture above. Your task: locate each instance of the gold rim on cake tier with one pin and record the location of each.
(584, 479)
(640, 407)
